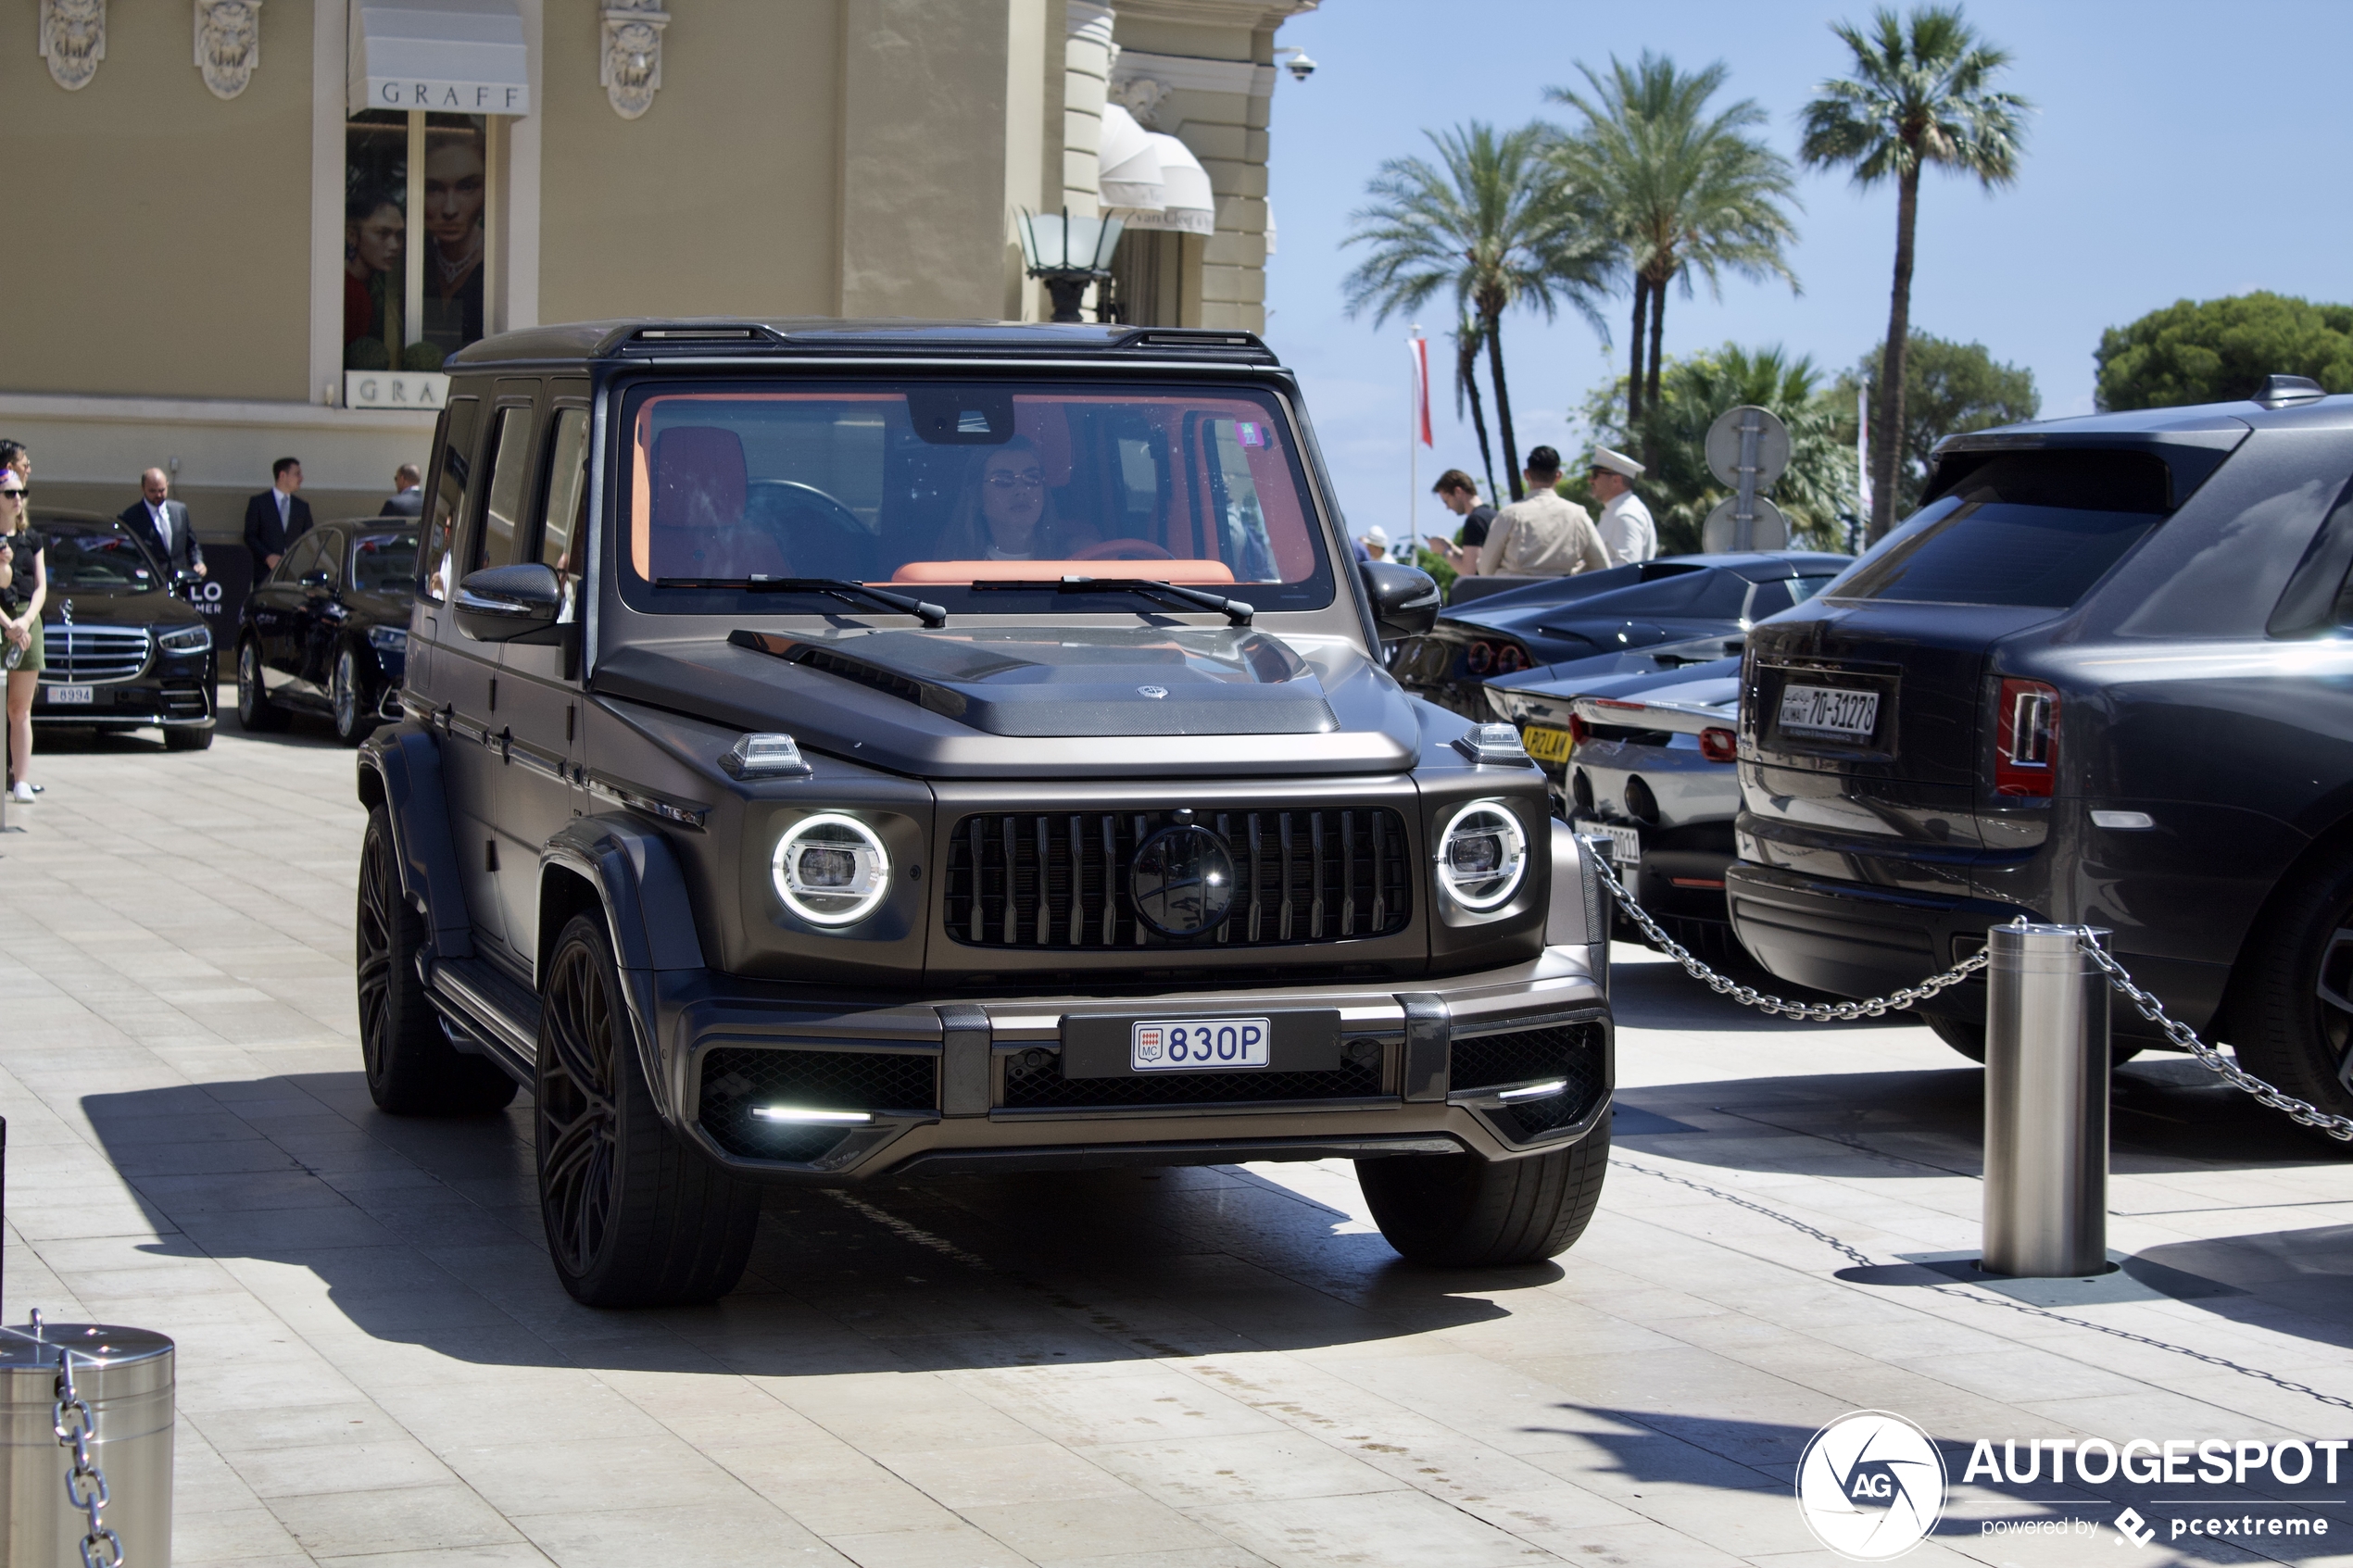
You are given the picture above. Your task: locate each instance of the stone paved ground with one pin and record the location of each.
(1159, 1371)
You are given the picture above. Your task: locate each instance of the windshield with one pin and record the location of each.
(980, 497)
(98, 560)
(383, 563)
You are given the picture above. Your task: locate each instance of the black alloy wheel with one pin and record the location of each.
(348, 699)
(256, 712)
(1462, 1212)
(413, 1069)
(635, 1217)
(2290, 1012)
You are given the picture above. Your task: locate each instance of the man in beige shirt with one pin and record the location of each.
(1543, 536)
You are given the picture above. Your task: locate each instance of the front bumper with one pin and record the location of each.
(172, 702)
(1502, 1064)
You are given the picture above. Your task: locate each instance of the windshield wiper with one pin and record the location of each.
(1237, 612)
(835, 588)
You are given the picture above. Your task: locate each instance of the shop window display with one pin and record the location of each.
(413, 283)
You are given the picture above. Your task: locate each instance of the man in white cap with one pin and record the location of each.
(1625, 524)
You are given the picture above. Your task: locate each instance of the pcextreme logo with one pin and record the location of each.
(1870, 1486)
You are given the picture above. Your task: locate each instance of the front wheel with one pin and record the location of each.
(2292, 1022)
(188, 738)
(413, 1069)
(347, 698)
(1460, 1212)
(635, 1218)
(256, 712)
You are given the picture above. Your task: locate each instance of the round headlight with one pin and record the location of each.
(831, 870)
(1482, 857)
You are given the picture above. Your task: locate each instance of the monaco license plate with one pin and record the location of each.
(1546, 744)
(1626, 844)
(1839, 712)
(71, 696)
(1179, 1045)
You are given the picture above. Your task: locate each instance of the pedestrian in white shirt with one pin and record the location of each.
(1541, 535)
(1625, 524)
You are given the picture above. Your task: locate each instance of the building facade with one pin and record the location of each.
(264, 246)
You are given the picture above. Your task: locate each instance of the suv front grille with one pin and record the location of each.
(1032, 1089)
(1059, 880)
(77, 654)
(1572, 1051)
(737, 1081)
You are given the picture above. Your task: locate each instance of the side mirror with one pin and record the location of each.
(1405, 598)
(510, 604)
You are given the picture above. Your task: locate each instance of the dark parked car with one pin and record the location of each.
(1645, 761)
(123, 651)
(2102, 676)
(1067, 819)
(327, 631)
(1679, 599)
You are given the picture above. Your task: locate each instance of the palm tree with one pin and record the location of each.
(1686, 191)
(1468, 338)
(1920, 93)
(1492, 223)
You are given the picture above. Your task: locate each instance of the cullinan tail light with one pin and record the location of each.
(1719, 745)
(2026, 740)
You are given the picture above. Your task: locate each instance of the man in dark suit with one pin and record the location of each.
(407, 497)
(158, 517)
(276, 518)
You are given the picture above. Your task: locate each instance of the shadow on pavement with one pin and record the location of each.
(2304, 1272)
(427, 1233)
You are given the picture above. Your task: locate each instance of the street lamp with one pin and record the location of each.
(1067, 254)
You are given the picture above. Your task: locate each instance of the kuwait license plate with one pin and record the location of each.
(71, 696)
(1546, 744)
(1175, 1044)
(1626, 844)
(1837, 711)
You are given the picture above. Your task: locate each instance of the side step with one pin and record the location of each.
(487, 1012)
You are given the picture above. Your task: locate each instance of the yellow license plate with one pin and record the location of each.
(1546, 744)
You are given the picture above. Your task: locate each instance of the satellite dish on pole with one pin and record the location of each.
(1769, 529)
(1725, 450)
(1747, 449)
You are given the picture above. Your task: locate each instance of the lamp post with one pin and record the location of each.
(1067, 254)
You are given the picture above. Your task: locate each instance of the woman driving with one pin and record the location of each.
(1005, 513)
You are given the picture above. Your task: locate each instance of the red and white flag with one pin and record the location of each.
(1420, 349)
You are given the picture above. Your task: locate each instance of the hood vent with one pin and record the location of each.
(922, 694)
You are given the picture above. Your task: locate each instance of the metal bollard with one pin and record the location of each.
(2046, 1087)
(126, 1376)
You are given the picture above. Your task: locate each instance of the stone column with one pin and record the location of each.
(1086, 59)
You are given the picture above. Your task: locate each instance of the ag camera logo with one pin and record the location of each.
(1870, 1486)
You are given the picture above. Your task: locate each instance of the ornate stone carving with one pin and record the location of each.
(228, 43)
(630, 65)
(1141, 97)
(73, 40)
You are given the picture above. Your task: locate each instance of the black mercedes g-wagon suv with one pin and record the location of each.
(2100, 677)
(834, 750)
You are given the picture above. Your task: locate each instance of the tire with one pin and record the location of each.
(2283, 1025)
(413, 1069)
(256, 713)
(635, 1217)
(1460, 1212)
(347, 700)
(177, 738)
(1969, 1041)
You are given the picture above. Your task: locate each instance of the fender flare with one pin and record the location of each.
(408, 764)
(651, 921)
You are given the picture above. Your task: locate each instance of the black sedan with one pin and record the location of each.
(328, 631)
(1680, 599)
(122, 651)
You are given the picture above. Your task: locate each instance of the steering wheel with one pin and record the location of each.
(1121, 549)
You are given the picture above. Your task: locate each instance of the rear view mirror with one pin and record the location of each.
(512, 604)
(1405, 598)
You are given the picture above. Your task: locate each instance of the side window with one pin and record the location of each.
(331, 559)
(500, 540)
(302, 560)
(449, 492)
(567, 508)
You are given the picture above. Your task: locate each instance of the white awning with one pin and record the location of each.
(450, 56)
(1130, 164)
(1187, 203)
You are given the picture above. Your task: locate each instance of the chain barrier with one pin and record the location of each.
(85, 1482)
(2147, 1006)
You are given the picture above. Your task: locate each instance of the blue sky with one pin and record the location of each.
(2179, 151)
